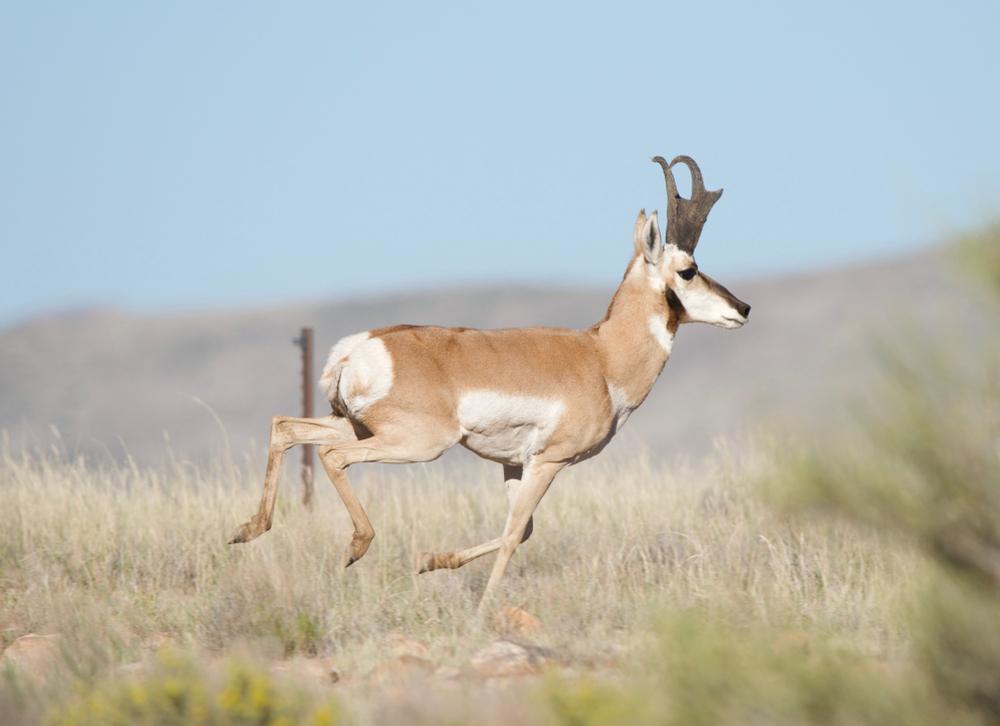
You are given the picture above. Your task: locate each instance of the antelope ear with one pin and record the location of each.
(647, 237)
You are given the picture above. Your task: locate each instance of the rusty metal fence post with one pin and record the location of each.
(305, 344)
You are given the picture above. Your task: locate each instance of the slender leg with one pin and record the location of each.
(428, 561)
(364, 533)
(397, 444)
(513, 479)
(285, 433)
(535, 483)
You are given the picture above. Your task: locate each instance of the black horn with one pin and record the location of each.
(686, 217)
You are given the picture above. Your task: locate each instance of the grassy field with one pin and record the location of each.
(854, 580)
(109, 558)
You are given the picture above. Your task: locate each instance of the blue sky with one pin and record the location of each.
(180, 155)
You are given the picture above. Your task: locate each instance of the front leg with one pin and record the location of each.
(428, 561)
(536, 481)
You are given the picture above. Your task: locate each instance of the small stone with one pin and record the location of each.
(32, 654)
(512, 619)
(404, 645)
(503, 658)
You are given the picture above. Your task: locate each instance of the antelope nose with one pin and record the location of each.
(743, 309)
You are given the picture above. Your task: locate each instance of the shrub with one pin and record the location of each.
(178, 692)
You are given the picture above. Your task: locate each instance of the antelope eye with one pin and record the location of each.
(689, 273)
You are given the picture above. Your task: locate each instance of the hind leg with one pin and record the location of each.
(415, 438)
(390, 445)
(286, 432)
(364, 533)
(385, 448)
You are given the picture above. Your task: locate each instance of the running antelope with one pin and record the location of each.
(532, 399)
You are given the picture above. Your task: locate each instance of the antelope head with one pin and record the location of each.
(693, 295)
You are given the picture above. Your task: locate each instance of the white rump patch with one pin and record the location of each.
(366, 376)
(621, 407)
(506, 427)
(336, 360)
(658, 327)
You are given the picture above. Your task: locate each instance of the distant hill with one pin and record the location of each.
(111, 381)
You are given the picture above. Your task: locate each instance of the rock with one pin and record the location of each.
(401, 668)
(32, 654)
(320, 670)
(512, 619)
(503, 658)
(404, 645)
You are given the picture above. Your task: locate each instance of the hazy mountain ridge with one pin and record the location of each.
(115, 381)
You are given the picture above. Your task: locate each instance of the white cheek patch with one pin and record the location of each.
(658, 327)
(704, 306)
(505, 426)
(366, 376)
(336, 360)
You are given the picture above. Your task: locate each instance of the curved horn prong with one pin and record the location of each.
(672, 195)
(686, 217)
(668, 176)
(697, 182)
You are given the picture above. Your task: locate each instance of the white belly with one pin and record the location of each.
(505, 427)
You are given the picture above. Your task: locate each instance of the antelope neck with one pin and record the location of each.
(636, 335)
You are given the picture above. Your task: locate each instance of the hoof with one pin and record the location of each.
(356, 550)
(429, 561)
(424, 562)
(245, 533)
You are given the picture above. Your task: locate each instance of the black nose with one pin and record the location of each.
(743, 309)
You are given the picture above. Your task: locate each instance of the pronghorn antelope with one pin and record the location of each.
(532, 399)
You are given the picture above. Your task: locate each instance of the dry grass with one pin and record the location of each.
(108, 556)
